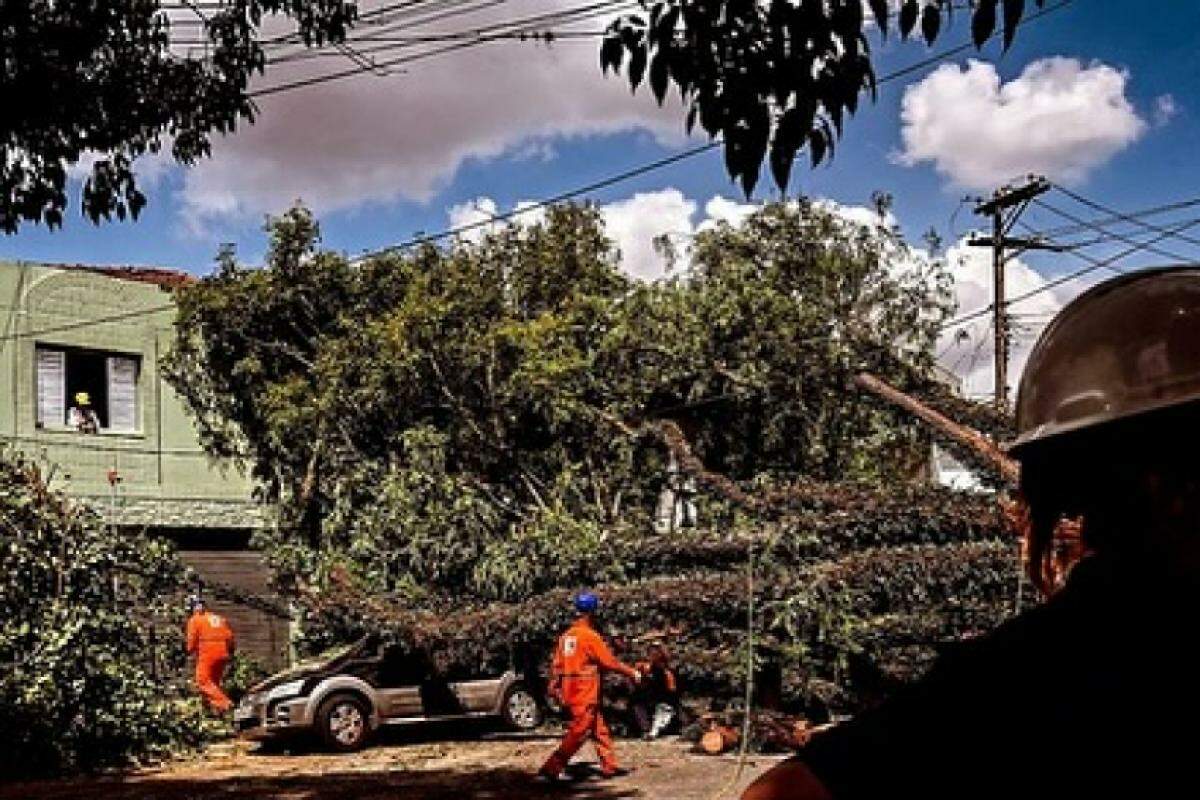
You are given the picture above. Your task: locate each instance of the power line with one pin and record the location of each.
(402, 20)
(654, 165)
(467, 38)
(399, 10)
(1067, 230)
(1045, 287)
(429, 38)
(486, 34)
(1111, 235)
(561, 197)
(604, 183)
(609, 6)
(1118, 216)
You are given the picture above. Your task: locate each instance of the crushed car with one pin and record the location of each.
(346, 695)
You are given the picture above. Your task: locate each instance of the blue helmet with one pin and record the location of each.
(586, 602)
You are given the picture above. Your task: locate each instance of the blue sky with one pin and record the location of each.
(383, 158)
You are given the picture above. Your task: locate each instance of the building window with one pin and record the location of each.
(106, 381)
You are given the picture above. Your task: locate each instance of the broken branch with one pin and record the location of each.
(1007, 467)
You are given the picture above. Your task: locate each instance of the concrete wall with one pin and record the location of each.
(167, 482)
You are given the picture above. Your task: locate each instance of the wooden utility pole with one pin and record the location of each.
(1005, 207)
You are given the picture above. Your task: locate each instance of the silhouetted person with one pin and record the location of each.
(1094, 693)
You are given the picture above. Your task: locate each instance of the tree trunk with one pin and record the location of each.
(968, 437)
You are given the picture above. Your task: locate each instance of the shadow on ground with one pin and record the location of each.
(471, 784)
(442, 732)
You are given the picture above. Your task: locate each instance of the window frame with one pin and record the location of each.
(104, 355)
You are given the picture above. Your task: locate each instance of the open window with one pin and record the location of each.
(109, 380)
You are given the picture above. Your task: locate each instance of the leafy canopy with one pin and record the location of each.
(447, 434)
(773, 77)
(98, 77)
(423, 418)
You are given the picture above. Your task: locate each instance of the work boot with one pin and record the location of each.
(546, 777)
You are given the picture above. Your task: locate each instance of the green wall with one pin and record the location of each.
(167, 481)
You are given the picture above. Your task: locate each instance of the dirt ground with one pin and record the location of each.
(485, 766)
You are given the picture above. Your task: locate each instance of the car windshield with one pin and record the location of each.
(321, 660)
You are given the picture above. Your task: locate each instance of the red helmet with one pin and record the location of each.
(1128, 346)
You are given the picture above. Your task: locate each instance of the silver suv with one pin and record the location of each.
(346, 695)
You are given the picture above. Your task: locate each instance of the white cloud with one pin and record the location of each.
(1165, 109)
(150, 169)
(473, 215)
(637, 221)
(634, 223)
(368, 139)
(721, 209)
(1060, 119)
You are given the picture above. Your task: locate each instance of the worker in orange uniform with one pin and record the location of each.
(580, 657)
(210, 639)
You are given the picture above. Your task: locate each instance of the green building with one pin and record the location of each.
(100, 331)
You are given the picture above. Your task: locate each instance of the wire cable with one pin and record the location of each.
(1112, 235)
(485, 35)
(1067, 230)
(1101, 264)
(637, 171)
(1118, 216)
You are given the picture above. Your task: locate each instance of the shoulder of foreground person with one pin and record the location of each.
(961, 719)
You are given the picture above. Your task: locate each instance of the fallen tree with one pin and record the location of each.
(892, 606)
(458, 439)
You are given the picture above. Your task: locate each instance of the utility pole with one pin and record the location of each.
(1005, 208)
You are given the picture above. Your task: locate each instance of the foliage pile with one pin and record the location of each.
(472, 432)
(77, 683)
(825, 605)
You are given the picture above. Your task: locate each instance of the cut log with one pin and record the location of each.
(719, 739)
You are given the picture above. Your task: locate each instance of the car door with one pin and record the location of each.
(400, 678)
(478, 696)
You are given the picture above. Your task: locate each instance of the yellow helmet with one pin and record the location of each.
(1128, 346)
(83, 399)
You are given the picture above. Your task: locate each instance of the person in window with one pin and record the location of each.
(1093, 693)
(82, 416)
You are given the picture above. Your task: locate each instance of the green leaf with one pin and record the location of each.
(659, 76)
(817, 146)
(637, 66)
(881, 11)
(612, 52)
(909, 13)
(1013, 11)
(931, 23)
(983, 22)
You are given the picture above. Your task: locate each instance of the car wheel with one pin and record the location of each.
(521, 710)
(344, 722)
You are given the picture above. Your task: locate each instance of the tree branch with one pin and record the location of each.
(1006, 467)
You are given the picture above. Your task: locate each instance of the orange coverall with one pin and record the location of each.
(575, 674)
(210, 639)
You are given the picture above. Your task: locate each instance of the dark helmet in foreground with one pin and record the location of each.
(1127, 347)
